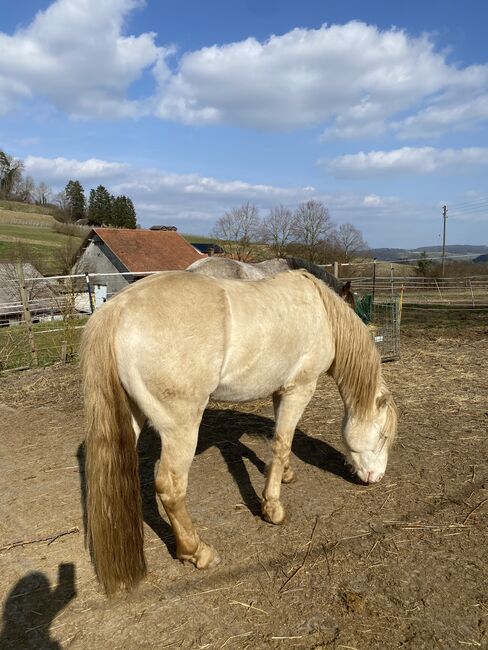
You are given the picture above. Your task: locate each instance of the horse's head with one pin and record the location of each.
(368, 438)
(347, 294)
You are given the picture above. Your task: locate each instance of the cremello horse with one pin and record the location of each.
(223, 267)
(166, 344)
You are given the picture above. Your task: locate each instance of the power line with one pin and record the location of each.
(465, 211)
(468, 204)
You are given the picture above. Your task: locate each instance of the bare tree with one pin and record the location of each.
(277, 229)
(61, 202)
(238, 231)
(24, 189)
(42, 194)
(348, 241)
(311, 228)
(65, 256)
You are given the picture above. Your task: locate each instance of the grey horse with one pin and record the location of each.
(222, 267)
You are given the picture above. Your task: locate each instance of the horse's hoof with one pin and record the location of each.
(208, 557)
(273, 512)
(205, 557)
(288, 475)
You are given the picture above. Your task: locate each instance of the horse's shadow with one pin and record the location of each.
(223, 429)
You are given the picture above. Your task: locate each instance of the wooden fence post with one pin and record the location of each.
(472, 294)
(374, 278)
(90, 295)
(27, 314)
(438, 288)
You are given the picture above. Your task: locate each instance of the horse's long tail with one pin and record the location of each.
(115, 525)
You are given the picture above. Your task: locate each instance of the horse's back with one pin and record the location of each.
(272, 334)
(188, 333)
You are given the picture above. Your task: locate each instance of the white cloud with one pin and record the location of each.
(158, 194)
(456, 114)
(75, 56)
(407, 160)
(372, 200)
(353, 79)
(353, 74)
(193, 202)
(61, 170)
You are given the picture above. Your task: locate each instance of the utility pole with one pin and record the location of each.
(444, 216)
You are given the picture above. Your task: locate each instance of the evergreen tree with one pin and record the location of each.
(75, 200)
(131, 217)
(123, 212)
(100, 207)
(424, 265)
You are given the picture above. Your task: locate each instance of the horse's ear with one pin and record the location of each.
(346, 288)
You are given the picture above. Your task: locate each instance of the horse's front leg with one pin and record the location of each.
(289, 407)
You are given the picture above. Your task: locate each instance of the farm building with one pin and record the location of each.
(38, 294)
(120, 252)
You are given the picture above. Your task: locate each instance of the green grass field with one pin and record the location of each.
(29, 208)
(31, 234)
(23, 218)
(27, 231)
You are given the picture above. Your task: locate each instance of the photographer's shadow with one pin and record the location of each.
(31, 607)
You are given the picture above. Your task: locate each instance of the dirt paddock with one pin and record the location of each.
(401, 564)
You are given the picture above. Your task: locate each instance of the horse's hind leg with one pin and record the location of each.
(288, 473)
(178, 448)
(289, 407)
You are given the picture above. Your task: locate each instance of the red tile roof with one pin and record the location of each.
(149, 250)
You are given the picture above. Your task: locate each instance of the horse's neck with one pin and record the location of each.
(317, 271)
(332, 281)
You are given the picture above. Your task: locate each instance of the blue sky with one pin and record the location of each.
(378, 109)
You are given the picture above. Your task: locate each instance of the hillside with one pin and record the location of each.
(32, 233)
(398, 254)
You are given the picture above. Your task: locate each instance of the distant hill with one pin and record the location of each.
(481, 258)
(398, 254)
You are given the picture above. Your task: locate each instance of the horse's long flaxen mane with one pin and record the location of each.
(357, 366)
